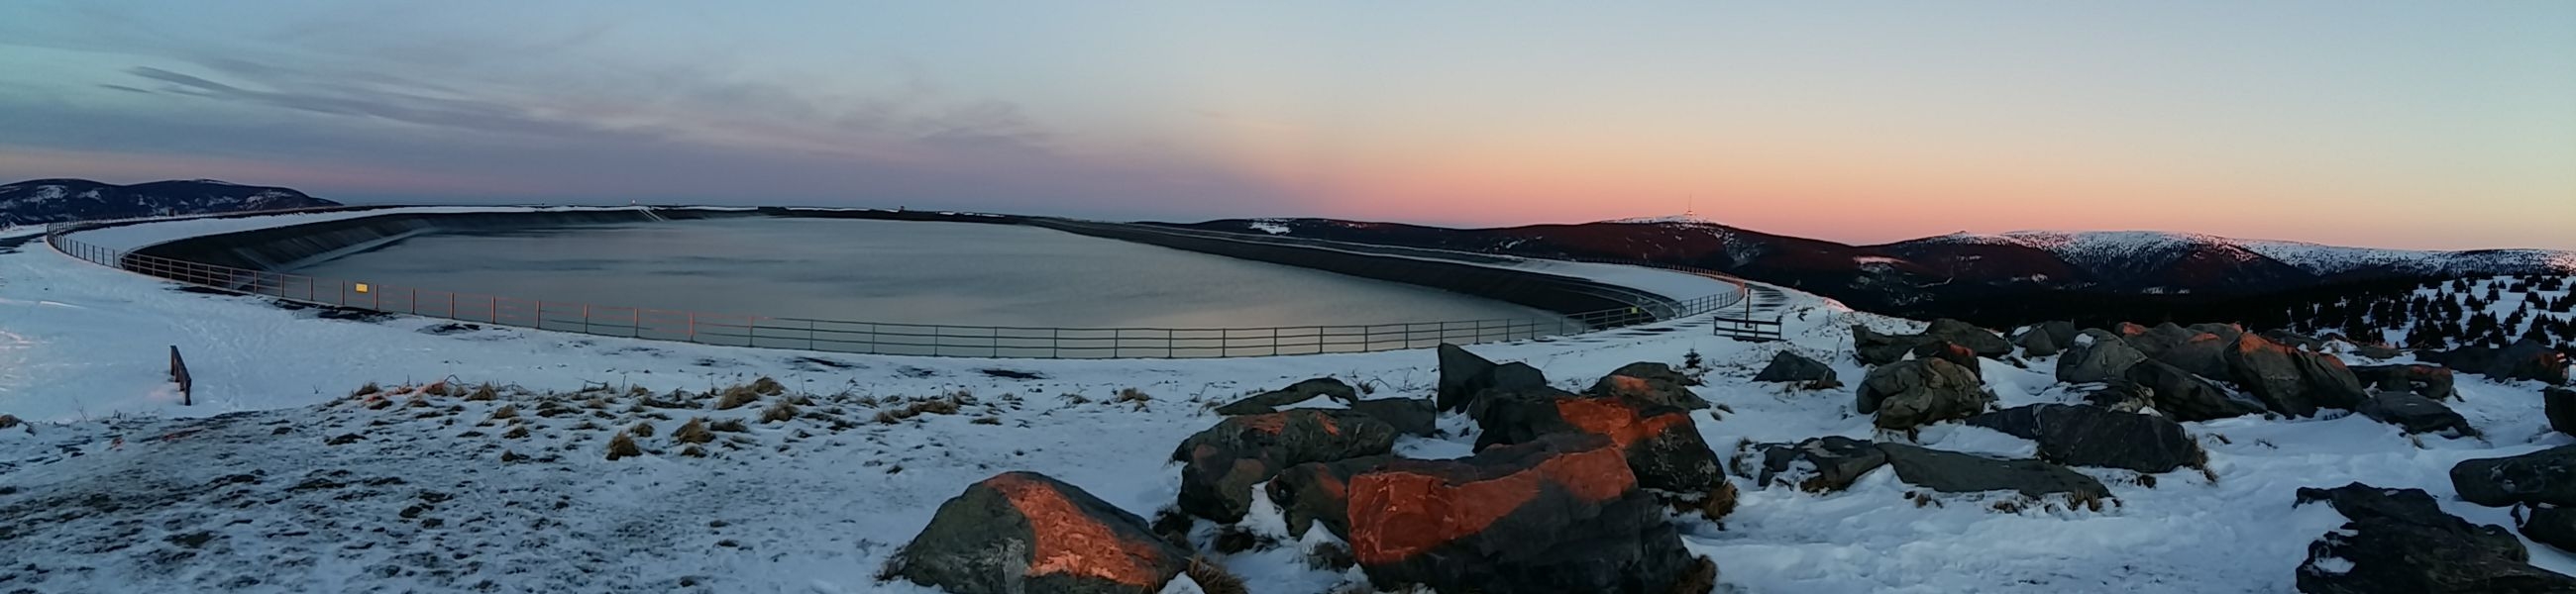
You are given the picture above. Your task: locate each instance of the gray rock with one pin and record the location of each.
(2226, 333)
(1654, 382)
(2551, 525)
(1914, 393)
(1983, 342)
(1953, 472)
(2061, 332)
(1295, 393)
(2119, 395)
(1874, 348)
(2083, 435)
(2429, 381)
(989, 540)
(2294, 340)
(2542, 477)
(2399, 541)
(2202, 354)
(1409, 416)
(2154, 341)
(1662, 445)
(2415, 414)
(1793, 367)
(2292, 382)
(1222, 463)
(2559, 405)
(2097, 356)
(2376, 350)
(2038, 343)
(1818, 465)
(2186, 397)
(1463, 375)
(2525, 359)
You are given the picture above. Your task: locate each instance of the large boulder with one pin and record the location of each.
(1954, 353)
(1819, 464)
(2429, 381)
(2559, 405)
(1954, 472)
(2525, 359)
(2097, 356)
(1792, 367)
(1880, 349)
(1025, 533)
(2542, 477)
(2203, 354)
(1409, 416)
(2398, 540)
(2550, 525)
(2119, 395)
(2047, 338)
(2226, 333)
(2292, 382)
(1559, 514)
(1661, 444)
(2415, 414)
(1652, 382)
(1914, 393)
(2061, 332)
(1295, 393)
(2185, 397)
(1463, 375)
(2294, 340)
(2084, 435)
(1222, 463)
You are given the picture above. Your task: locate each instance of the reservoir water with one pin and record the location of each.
(898, 272)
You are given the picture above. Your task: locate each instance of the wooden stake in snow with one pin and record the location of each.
(179, 374)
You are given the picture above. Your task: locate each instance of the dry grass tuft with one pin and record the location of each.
(694, 452)
(1701, 579)
(8, 421)
(768, 387)
(418, 400)
(987, 421)
(1330, 556)
(1715, 505)
(1213, 578)
(735, 397)
(729, 426)
(1132, 395)
(694, 431)
(517, 432)
(623, 446)
(595, 403)
(641, 429)
(782, 411)
(370, 388)
(506, 412)
(638, 391)
(484, 392)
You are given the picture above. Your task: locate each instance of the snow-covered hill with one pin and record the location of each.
(41, 201)
(2099, 248)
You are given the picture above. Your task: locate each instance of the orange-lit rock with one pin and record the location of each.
(1662, 445)
(1021, 532)
(1222, 463)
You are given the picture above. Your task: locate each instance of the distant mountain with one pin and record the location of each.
(41, 201)
(1995, 279)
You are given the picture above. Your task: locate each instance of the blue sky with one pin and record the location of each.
(2379, 123)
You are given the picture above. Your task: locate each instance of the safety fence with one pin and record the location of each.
(870, 337)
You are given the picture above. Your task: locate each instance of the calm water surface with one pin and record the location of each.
(899, 271)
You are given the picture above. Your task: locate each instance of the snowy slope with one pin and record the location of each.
(2323, 260)
(164, 498)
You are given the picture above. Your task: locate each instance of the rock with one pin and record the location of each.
(2551, 525)
(1319, 492)
(1653, 382)
(2226, 333)
(2186, 397)
(1909, 394)
(2398, 540)
(2560, 406)
(2037, 343)
(1662, 445)
(2061, 332)
(2292, 382)
(2525, 359)
(2156, 340)
(2542, 477)
(1463, 375)
(2429, 381)
(1792, 367)
(1025, 533)
(1881, 349)
(1953, 472)
(1560, 514)
(2376, 350)
(2203, 354)
(1952, 352)
(2415, 414)
(2084, 435)
(2294, 340)
(1409, 416)
(2097, 356)
(1295, 393)
(1817, 465)
(2119, 395)
(1222, 463)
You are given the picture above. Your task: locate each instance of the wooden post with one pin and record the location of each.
(179, 373)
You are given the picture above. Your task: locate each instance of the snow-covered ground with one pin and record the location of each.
(138, 494)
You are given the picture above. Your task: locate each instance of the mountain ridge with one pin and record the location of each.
(57, 200)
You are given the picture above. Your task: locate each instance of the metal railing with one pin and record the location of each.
(868, 337)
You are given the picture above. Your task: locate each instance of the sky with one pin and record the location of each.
(2395, 124)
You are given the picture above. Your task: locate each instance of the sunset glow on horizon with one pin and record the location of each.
(2387, 124)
